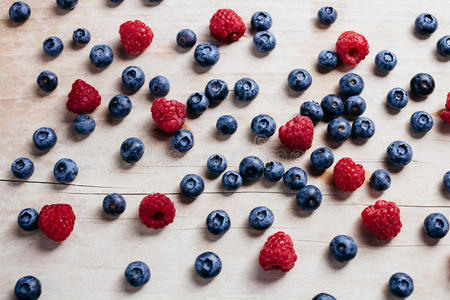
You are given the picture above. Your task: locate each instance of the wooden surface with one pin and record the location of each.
(90, 264)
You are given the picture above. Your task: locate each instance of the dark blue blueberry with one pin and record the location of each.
(260, 218)
(197, 103)
(251, 168)
(65, 170)
(447, 181)
(182, 140)
(28, 288)
(443, 46)
(217, 163)
(422, 84)
(47, 81)
(401, 285)
(22, 168)
(120, 106)
(28, 219)
(399, 153)
(226, 125)
(101, 56)
(322, 158)
(114, 204)
(246, 89)
(273, 171)
(19, 12)
(295, 178)
(385, 61)
(264, 42)
(208, 265)
(421, 121)
(216, 90)
(332, 106)
(192, 185)
(133, 78)
(67, 4)
(84, 124)
(312, 110)
(206, 54)
(299, 80)
(380, 180)
(436, 226)
(426, 24)
(328, 59)
(263, 126)
(81, 36)
(132, 150)
(323, 296)
(351, 84)
(53, 46)
(261, 20)
(327, 15)
(363, 128)
(44, 138)
(355, 106)
(137, 273)
(159, 86)
(218, 222)
(309, 198)
(231, 180)
(339, 130)
(343, 248)
(186, 38)
(397, 98)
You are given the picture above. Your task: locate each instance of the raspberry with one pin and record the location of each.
(445, 115)
(83, 98)
(169, 115)
(352, 47)
(56, 221)
(135, 36)
(226, 26)
(297, 134)
(156, 211)
(447, 104)
(347, 175)
(278, 252)
(382, 219)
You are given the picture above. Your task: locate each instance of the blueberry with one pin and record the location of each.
(363, 128)
(137, 273)
(218, 222)
(186, 38)
(426, 24)
(81, 36)
(159, 86)
(114, 204)
(44, 138)
(447, 181)
(263, 126)
(53, 46)
(339, 130)
(67, 4)
(28, 219)
(133, 78)
(19, 12)
(192, 185)
(380, 180)
(299, 80)
(351, 84)
(231, 180)
(208, 265)
(216, 90)
(28, 288)
(182, 140)
(309, 198)
(22, 168)
(116, 1)
(47, 81)
(273, 171)
(120, 106)
(401, 285)
(322, 158)
(217, 163)
(328, 59)
(323, 296)
(251, 168)
(84, 124)
(385, 61)
(226, 125)
(295, 178)
(312, 110)
(421, 121)
(422, 84)
(397, 98)
(65, 170)
(399, 153)
(355, 106)
(132, 150)
(343, 248)
(332, 106)
(260, 218)
(327, 15)
(264, 42)
(436, 226)
(206, 54)
(246, 89)
(443, 46)
(197, 103)
(101, 56)
(261, 20)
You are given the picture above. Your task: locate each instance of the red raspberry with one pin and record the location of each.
(56, 221)
(135, 36)
(347, 175)
(169, 115)
(445, 115)
(447, 104)
(382, 219)
(352, 47)
(226, 26)
(278, 252)
(297, 134)
(156, 211)
(83, 98)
